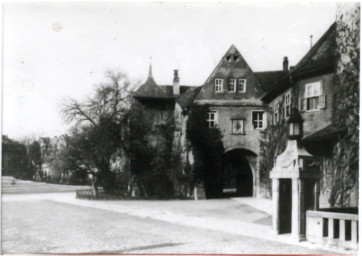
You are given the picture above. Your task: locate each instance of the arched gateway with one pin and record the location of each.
(238, 175)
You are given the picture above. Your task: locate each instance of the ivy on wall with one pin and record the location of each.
(207, 149)
(346, 106)
(274, 139)
(150, 151)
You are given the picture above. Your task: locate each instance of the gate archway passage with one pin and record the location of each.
(238, 177)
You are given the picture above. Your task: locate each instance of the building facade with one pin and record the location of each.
(251, 110)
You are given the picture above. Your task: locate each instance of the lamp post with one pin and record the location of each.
(295, 125)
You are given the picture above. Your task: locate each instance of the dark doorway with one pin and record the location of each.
(309, 202)
(285, 206)
(237, 174)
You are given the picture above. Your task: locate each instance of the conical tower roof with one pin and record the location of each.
(150, 89)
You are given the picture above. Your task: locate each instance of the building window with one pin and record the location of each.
(242, 85)
(237, 126)
(211, 119)
(259, 119)
(287, 104)
(232, 85)
(314, 99)
(312, 95)
(218, 85)
(276, 112)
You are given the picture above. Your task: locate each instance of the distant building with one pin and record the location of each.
(51, 148)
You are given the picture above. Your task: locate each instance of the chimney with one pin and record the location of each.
(285, 64)
(176, 83)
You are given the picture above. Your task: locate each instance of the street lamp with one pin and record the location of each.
(295, 125)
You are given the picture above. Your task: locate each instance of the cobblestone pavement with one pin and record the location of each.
(43, 226)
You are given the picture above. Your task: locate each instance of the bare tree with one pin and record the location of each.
(101, 123)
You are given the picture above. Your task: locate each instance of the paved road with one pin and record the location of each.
(43, 226)
(31, 187)
(52, 222)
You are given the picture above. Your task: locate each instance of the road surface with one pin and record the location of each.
(43, 223)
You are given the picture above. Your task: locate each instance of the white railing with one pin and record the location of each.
(333, 229)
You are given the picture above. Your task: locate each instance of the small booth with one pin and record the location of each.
(295, 183)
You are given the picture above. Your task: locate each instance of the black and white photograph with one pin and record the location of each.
(215, 127)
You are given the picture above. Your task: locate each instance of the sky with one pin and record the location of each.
(56, 51)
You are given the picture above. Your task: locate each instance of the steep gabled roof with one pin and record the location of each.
(321, 58)
(186, 98)
(231, 51)
(231, 66)
(269, 79)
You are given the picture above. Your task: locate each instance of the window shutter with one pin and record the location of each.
(264, 120)
(302, 104)
(322, 101)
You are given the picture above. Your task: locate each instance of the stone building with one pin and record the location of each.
(310, 88)
(233, 93)
(251, 109)
(313, 87)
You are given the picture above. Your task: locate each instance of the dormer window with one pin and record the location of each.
(232, 85)
(314, 99)
(242, 85)
(218, 85)
(312, 93)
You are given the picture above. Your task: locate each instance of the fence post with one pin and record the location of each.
(330, 232)
(354, 230)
